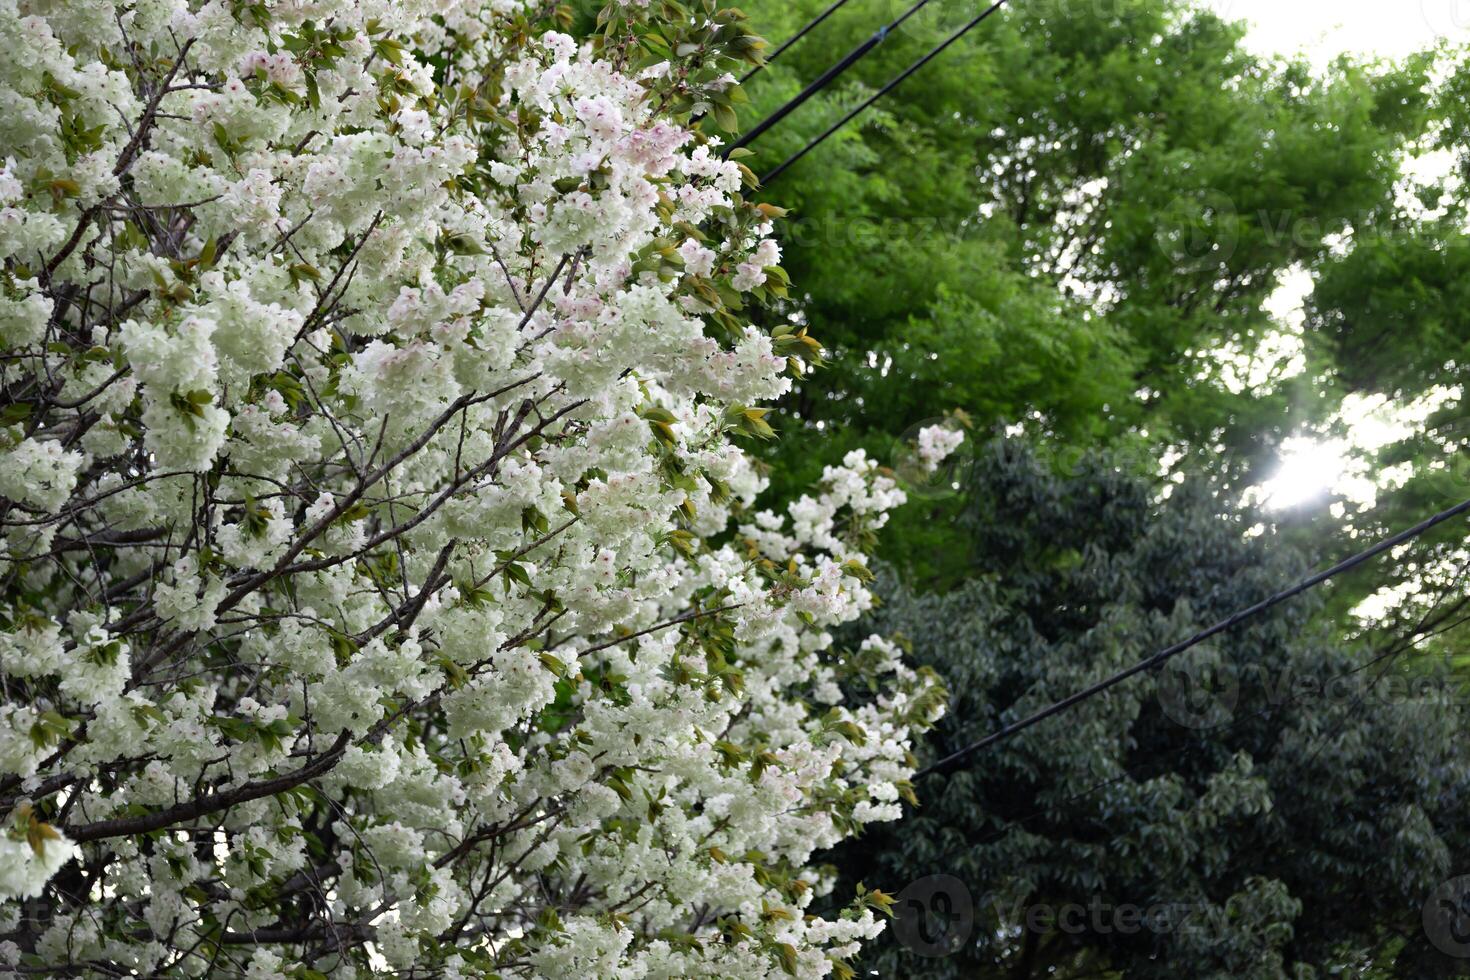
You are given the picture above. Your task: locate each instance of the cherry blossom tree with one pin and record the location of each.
(386, 589)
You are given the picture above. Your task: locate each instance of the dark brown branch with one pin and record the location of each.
(211, 802)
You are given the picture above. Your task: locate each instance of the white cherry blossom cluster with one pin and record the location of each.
(384, 585)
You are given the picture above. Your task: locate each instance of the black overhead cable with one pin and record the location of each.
(954, 759)
(1137, 769)
(793, 39)
(1385, 657)
(853, 56)
(882, 91)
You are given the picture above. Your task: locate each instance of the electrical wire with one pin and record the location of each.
(1138, 769)
(1386, 657)
(952, 761)
(893, 84)
(826, 78)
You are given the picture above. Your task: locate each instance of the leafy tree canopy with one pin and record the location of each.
(1059, 221)
(1301, 826)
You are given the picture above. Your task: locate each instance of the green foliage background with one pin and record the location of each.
(1056, 228)
(1301, 826)
(1059, 228)
(1055, 223)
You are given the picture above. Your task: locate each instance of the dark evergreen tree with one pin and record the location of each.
(1299, 807)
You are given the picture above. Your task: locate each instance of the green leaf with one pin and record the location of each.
(725, 117)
